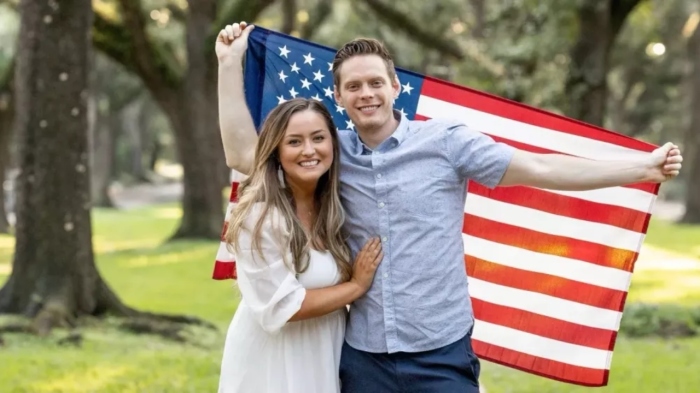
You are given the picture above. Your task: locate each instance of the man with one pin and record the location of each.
(412, 331)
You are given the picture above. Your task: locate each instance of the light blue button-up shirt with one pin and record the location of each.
(410, 190)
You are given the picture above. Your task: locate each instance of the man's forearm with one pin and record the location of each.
(561, 172)
(237, 128)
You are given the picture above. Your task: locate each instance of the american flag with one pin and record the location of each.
(548, 270)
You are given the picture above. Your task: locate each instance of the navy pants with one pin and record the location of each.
(452, 368)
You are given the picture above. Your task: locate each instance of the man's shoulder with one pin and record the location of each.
(442, 126)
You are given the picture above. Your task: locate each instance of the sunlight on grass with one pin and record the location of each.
(93, 379)
(666, 286)
(637, 366)
(681, 238)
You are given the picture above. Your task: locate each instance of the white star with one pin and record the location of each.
(339, 109)
(280, 99)
(328, 92)
(308, 59)
(407, 88)
(317, 98)
(305, 84)
(293, 93)
(318, 76)
(349, 124)
(284, 51)
(402, 112)
(330, 66)
(295, 68)
(283, 77)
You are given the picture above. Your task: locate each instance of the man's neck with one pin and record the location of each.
(375, 136)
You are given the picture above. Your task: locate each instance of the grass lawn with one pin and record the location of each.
(175, 278)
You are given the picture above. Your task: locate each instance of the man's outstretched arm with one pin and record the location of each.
(236, 124)
(561, 172)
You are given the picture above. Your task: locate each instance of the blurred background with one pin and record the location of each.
(157, 181)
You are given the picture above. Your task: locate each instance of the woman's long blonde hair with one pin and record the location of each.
(263, 185)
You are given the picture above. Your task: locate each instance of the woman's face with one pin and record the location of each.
(306, 151)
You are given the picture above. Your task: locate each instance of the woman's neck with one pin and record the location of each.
(305, 205)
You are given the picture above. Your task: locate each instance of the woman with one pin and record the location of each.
(294, 270)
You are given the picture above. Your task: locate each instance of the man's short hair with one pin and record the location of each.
(359, 47)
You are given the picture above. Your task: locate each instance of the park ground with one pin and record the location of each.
(151, 274)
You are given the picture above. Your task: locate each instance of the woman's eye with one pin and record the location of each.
(319, 138)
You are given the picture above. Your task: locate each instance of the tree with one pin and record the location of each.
(692, 207)
(599, 22)
(185, 91)
(54, 278)
(6, 121)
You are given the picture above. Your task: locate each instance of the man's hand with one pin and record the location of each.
(232, 42)
(664, 163)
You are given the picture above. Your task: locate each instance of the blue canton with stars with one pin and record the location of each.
(280, 67)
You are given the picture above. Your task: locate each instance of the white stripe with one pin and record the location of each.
(542, 347)
(630, 198)
(223, 255)
(229, 210)
(572, 269)
(524, 132)
(550, 306)
(553, 224)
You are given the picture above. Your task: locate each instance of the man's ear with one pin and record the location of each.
(336, 96)
(396, 86)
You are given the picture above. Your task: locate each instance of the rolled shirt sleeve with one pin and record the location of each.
(268, 285)
(477, 156)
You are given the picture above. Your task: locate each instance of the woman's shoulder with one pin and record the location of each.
(273, 217)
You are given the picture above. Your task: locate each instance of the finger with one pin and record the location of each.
(246, 31)
(674, 160)
(229, 32)
(675, 151)
(236, 29)
(378, 258)
(672, 167)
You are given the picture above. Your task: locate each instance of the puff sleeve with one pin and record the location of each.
(267, 284)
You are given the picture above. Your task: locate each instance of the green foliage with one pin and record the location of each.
(668, 320)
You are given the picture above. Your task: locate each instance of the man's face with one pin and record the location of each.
(367, 92)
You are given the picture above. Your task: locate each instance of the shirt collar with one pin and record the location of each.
(394, 140)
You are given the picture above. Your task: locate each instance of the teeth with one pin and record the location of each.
(309, 163)
(369, 108)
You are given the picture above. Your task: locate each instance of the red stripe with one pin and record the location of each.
(559, 287)
(525, 114)
(563, 205)
(224, 271)
(539, 366)
(544, 326)
(223, 231)
(548, 244)
(651, 188)
(233, 197)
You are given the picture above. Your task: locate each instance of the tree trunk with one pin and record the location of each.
(54, 278)
(198, 140)
(692, 196)
(600, 22)
(6, 124)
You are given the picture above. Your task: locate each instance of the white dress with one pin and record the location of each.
(264, 353)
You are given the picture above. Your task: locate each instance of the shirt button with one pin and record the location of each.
(379, 175)
(384, 239)
(381, 204)
(386, 275)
